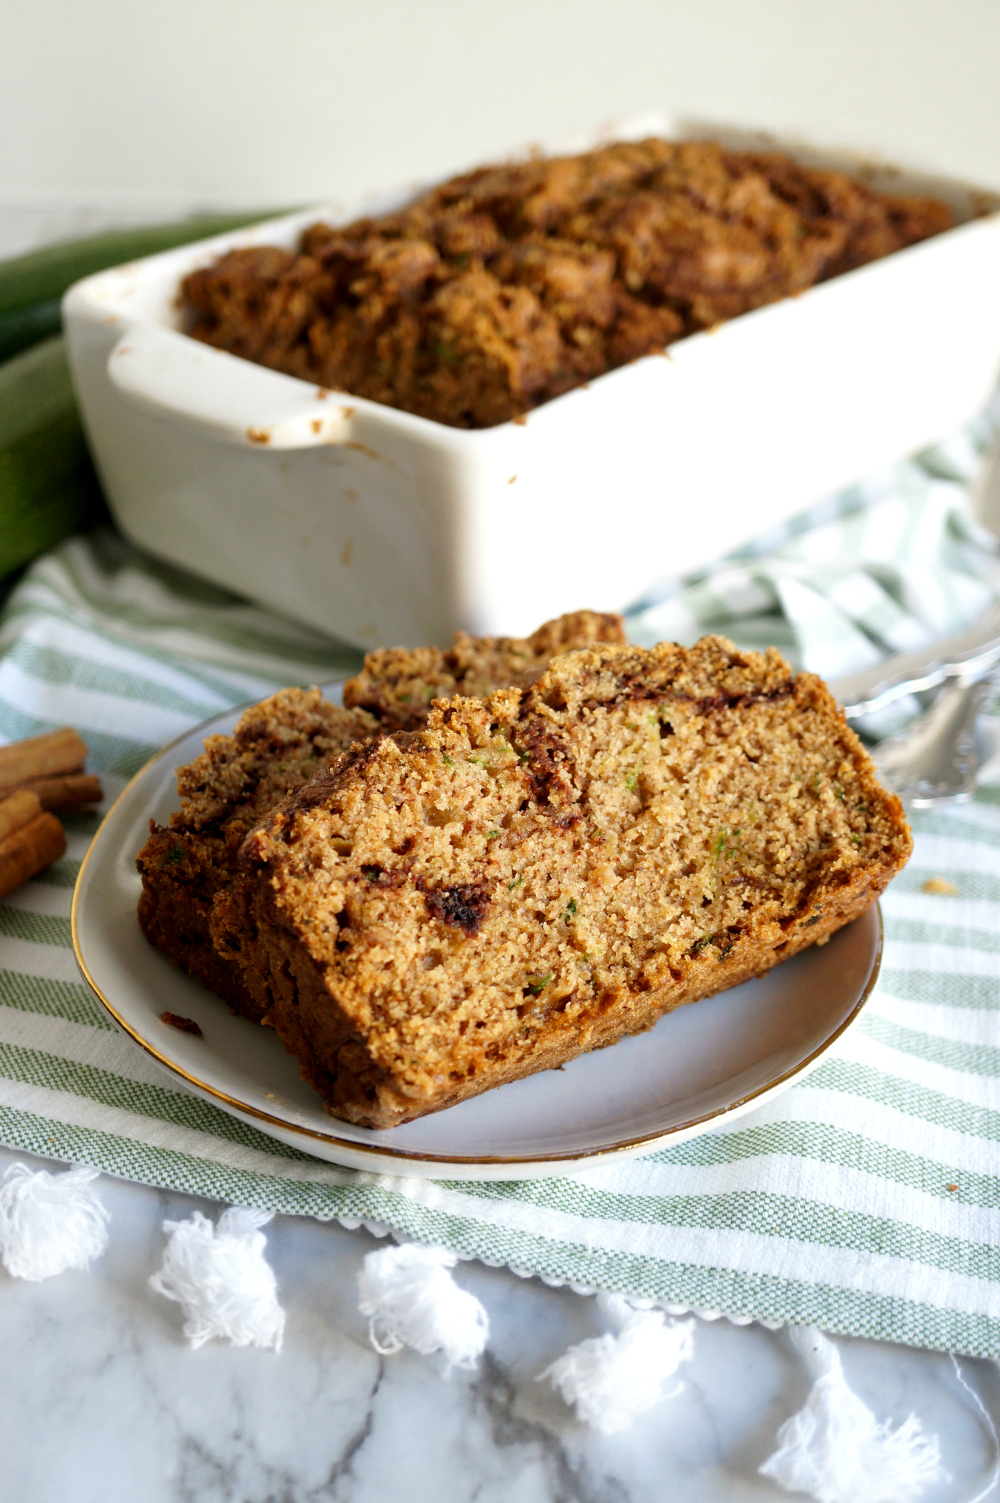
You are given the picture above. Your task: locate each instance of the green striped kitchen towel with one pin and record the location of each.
(864, 1200)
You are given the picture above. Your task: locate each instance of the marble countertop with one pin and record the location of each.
(102, 1401)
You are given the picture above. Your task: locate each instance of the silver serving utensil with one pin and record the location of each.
(967, 655)
(934, 760)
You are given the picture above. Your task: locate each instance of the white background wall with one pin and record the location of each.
(141, 107)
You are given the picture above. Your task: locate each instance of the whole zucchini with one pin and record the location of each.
(48, 487)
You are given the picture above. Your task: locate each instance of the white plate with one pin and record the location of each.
(703, 1064)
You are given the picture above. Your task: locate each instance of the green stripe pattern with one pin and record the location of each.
(865, 1200)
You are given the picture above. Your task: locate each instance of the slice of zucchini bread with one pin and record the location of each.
(538, 874)
(275, 747)
(280, 744)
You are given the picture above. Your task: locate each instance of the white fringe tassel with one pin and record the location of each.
(611, 1379)
(412, 1300)
(837, 1451)
(221, 1280)
(50, 1222)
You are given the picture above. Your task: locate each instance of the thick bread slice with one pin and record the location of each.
(280, 744)
(540, 873)
(275, 747)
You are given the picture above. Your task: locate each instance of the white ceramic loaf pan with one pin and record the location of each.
(381, 527)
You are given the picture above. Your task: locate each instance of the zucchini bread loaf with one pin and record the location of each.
(539, 873)
(504, 287)
(280, 744)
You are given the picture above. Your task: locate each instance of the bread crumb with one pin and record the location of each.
(941, 887)
(186, 1025)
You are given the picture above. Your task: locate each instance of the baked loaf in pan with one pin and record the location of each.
(507, 286)
(539, 873)
(280, 744)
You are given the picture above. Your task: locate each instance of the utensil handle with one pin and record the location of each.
(934, 760)
(968, 654)
(162, 371)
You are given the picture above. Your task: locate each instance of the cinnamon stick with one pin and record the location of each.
(28, 850)
(52, 767)
(41, 757)
(73, 791)
(20, 809)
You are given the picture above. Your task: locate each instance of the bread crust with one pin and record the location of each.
(398, 685)
(508, 286)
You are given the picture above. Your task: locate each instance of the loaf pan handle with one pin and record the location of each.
(162, 371)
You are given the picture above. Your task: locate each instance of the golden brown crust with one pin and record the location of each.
(536, 875)
(398, 684)
(504, 287)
